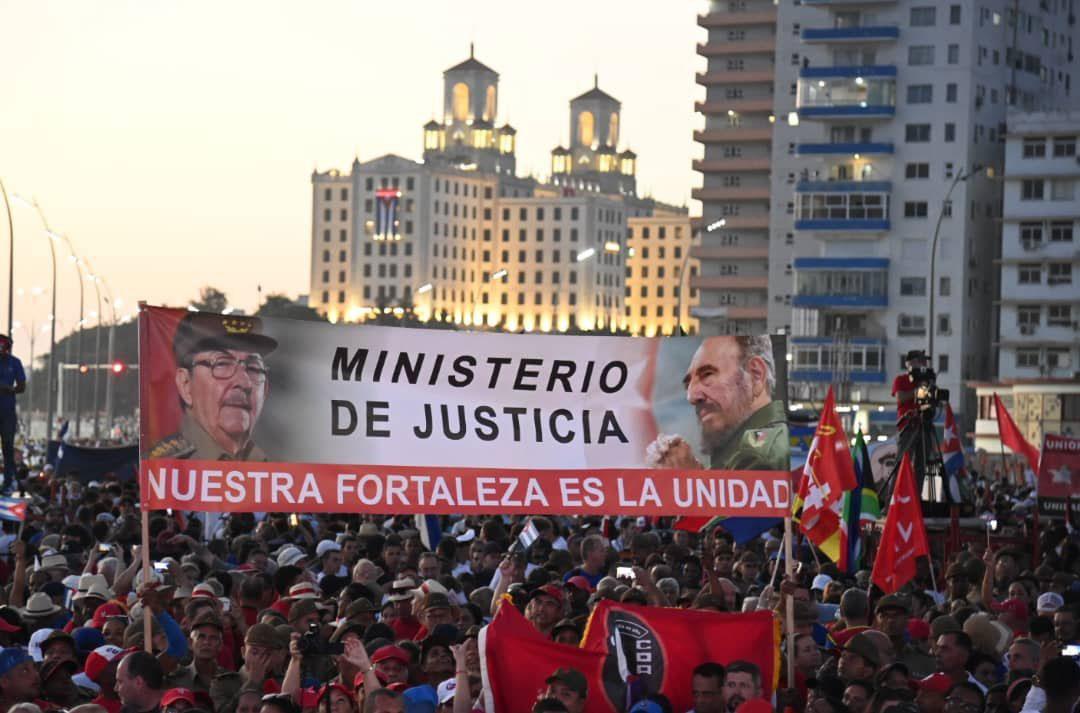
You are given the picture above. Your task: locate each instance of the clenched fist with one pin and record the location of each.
(671, 453)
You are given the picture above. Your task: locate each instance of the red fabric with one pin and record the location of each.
(829, 462)
(1010, 435)
(819, 522)
(509, 680)
(405, 627)
(662, 646)
(904, 537)
(903, 382)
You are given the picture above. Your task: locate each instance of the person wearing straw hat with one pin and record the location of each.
(39, 612)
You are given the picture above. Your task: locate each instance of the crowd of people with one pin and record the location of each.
(346, 613)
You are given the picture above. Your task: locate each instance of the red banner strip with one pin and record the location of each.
(216, 486)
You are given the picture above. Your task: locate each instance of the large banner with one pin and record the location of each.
(1059, 474)
(248, 414)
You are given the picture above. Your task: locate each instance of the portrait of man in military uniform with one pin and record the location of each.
(222, 382)
(730, 382)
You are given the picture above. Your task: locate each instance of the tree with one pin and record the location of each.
(211, 299)
(278, 305)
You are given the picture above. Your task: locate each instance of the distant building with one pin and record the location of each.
(1038, 335)
(460, 238)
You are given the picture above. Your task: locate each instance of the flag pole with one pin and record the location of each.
(776, 567)
(146, 570)
(933, 579)
(789, 605)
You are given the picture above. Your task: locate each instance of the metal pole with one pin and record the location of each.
(960, 176)
(50, 388)
(11, 264)
(112, 342)
(78, 340)
(30, 383)
(97, 362)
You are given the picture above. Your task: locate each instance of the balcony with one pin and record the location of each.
(745, 165)
(750, 193)
(724, 252)
(729, 282)
(823, 359)
(842, 3)
(860, 148)
(875, 33)
(722, 49)
(841, 283)
(733, 135)
(710, 78)
(844, 206)
(867, 92)
(740, 106)
(736, 19)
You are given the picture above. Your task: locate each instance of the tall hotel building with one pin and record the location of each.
(740, 50)
(886, 116)
(460, 238)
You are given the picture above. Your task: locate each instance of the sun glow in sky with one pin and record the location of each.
(173, 141)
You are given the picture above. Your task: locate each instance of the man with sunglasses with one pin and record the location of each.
(222, 382)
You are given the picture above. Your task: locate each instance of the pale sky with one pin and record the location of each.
(173, 141)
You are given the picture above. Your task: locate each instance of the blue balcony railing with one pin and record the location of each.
(824, 359)
(851, 34)
(859, 70)
(843, 187)
(873, 225)
(847, 149)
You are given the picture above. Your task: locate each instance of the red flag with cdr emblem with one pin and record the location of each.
(904, 537)
(829, 463)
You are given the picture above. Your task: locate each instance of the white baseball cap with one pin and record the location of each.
(446, 691)
(326, 546)
(1049, 602)
(289, 556)
(820, 582)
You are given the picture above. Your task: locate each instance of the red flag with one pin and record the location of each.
(819, 522)
(516, 661)
(1010, 435)
(655, 649)
(829, 461)
(904, 537)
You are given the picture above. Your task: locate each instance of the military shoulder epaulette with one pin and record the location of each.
(174, 446)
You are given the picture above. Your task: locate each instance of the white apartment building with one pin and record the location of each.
(1038, 336)
(889, 115)
(459, 238)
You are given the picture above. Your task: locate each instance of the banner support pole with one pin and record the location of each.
(789, 605)
(146, 570)
(933, 579)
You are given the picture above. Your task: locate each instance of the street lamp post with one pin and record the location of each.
(78, 337)
(50, 384)
(961, 175)
(11, 264)
(97, 359)
(110, 377)
(682, 273)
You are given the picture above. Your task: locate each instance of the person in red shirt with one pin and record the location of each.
(903, 387)
(100, 668)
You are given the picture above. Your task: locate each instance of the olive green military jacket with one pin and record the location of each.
(762, 443)
(195, 443)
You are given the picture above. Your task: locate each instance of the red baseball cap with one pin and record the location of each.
(918, 629)
(105, 611)
(178, 694)
(1016, 607)
(936, 683)
(385, 653)
(99, 659)
(581, 583)
(549, 590)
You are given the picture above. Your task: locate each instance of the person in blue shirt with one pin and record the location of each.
(12, 382)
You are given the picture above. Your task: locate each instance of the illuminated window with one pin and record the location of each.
(460, 104)
(586, 128)
(613, 130)
(489, 103)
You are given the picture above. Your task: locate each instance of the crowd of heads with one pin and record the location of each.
(346, 613)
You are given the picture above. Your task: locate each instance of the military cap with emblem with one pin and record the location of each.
(203, 331)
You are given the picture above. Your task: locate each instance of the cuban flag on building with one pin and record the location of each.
(952, 455)
(13, 509)
(386, 213)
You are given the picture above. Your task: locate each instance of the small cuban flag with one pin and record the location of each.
(430, 530)
(13, 509)
(528, 536)
(952, 455)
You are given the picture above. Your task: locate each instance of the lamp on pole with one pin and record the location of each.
(97, 354)
(11, 264)
(50, 388)
(715, 225)
(961, 175)
(79, 337)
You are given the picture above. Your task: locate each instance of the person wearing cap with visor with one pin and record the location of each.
(222, 382)
(891, 614)
(19, 679)
(207, 634)
(331, 561)
(569, 686)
